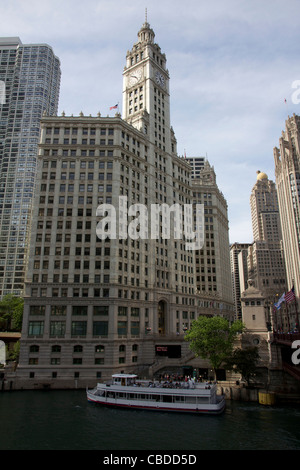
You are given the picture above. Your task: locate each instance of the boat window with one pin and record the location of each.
(178, 398)
(167, 398)
(190, 399)
(155, 397)
(132, 396)
(202, 400)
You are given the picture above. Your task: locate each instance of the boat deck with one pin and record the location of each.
(175, 396)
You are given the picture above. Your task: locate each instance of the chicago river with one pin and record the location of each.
(64, 420)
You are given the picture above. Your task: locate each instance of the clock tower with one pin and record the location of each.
(146, 103)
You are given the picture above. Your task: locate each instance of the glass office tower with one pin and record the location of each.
(30, 81)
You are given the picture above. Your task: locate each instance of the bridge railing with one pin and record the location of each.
(286, 337)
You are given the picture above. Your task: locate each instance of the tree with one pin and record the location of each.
(244, 361)
(11, 312)
(212, 338)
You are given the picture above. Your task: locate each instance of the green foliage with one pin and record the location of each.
(11, 313)
(13, 355)
(244, 361)
(212, 338)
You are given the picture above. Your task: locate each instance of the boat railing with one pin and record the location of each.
(164, 384)
(174, 384)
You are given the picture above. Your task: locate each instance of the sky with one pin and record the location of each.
(232, 65)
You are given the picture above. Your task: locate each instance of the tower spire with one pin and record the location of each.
(146, 33)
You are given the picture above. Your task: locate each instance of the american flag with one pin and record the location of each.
(290, 296)
(114, 107)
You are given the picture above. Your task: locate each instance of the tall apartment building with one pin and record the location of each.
(239, 273)
(30, 82)
(213, 276)
(287, 173)
(266, 265)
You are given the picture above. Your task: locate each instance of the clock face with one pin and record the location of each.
(135, 76)
(160, 79)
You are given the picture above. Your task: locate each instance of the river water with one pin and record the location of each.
(64, 420)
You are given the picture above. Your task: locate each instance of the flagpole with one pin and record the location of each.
(288, 317)
(274, 319)
(296, 310)
(286, 106)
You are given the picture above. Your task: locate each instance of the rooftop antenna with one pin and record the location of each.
(146, 18)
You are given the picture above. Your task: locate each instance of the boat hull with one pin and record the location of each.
(212, 409)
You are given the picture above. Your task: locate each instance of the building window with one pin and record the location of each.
(33, 361)
(122, 328)
(100, 328)
(77, 360)
(80, 310)
(37, 310)
(135, 328)
(122, 310)
(78, 328)
(99, 360)
(101, 309)
(57, 328)
(35, 328)
(135, 311)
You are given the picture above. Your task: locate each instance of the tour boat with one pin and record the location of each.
(126, 391)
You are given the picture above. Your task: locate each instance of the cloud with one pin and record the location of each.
(231, 64)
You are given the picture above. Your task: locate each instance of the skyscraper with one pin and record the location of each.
(96, 305)
(99, 304)
(287, 173)
(30, 82)
(239, 273)
(213, 279)
(265, 256)
(197, 164)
